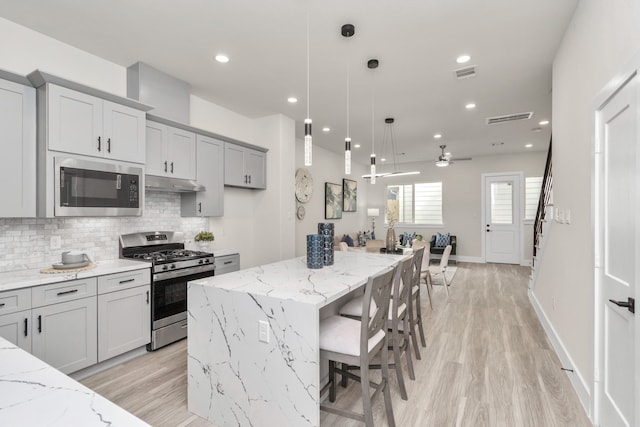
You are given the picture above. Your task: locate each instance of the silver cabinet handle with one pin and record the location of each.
(126, 281)
(72, 291)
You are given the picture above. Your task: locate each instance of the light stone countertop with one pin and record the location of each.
(224, 252)
(10, 280)
(33, 393)
(292, 280)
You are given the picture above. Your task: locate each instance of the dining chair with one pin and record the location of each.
(398, 312)
(352, 342)
(437, 274)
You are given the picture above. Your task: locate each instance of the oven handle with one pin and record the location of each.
(183, 272)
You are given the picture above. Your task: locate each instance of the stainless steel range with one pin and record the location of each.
(172, 267)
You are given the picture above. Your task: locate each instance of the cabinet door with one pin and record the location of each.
(210, 173)
(15, 328)
(65, 334)
(256, 168)
(234, 173)
(124, 321)
(74, 122)
(181, 153)
(124, 132)
(155, 147)
(18, 132)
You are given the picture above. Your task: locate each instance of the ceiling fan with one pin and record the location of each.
(445, 159)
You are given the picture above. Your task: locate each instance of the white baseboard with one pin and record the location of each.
(577, 381)
(463, 258)
(526, 262)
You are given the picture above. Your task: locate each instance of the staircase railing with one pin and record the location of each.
(543, 202)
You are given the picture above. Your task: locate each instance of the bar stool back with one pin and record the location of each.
(354, 342)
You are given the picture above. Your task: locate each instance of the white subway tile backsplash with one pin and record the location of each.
(26, 242)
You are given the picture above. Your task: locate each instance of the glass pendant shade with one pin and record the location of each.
(373, 168)
(307, 142)
(347, 156)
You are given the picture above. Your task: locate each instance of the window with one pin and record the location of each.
(419, 203)
(533, 185)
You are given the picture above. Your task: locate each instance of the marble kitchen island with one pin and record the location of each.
(234, 377)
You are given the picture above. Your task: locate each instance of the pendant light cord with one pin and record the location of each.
(348, 97)
(307, 64)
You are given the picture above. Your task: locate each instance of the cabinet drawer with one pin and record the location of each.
(126, 280)
(227, 264)
(15, 300)
(63, 291)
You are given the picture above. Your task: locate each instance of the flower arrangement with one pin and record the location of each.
(204, 236)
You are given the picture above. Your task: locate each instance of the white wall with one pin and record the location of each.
(461, 187)
(23, 50)
(601, 38)
(329, 167)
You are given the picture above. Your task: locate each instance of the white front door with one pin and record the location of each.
(617, 252)
(502, 218)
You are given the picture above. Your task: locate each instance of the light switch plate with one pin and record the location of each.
(263, 334)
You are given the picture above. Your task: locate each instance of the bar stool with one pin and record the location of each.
(415, 311)
(398, 312)
(354, 342)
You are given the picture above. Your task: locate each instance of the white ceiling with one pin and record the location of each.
(512, 43)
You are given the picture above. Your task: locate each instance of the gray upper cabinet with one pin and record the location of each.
(210, 174)
(170, 151)
(83, 124)
(244, 167)
(18, 134)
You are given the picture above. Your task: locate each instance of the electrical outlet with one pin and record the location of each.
(56, 242)
(263, 335)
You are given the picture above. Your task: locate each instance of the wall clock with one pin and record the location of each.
(300, 212)
(304, 185)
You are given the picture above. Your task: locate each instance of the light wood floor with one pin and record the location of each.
(487, 363)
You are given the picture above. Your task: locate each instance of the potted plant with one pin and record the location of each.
(204, 240)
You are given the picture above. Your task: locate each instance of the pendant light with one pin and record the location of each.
(308, 145)
(373, 64)
(390, 135)
(347, 30)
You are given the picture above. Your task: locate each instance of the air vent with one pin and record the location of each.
(509, 118)
(466, 72)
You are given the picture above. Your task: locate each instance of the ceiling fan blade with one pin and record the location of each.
(459, 159)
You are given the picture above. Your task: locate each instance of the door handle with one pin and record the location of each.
(165, 166)
(108, 145)
(99, 144)
(630, 304)
(199, 207)
(488, 231)
(171, 167)
(26, 327)
(147, 297)
(40, 324)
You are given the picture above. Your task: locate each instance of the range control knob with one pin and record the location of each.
(165, 268)
(200, 261)
(173, 266)
(207, 260)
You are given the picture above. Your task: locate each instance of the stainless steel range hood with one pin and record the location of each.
(163, 183)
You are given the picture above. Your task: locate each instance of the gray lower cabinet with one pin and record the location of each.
(16, 328)
(227, 264)
(124, 313)
(210, 174)
(244, 167)
(64, 334)
(75, 324)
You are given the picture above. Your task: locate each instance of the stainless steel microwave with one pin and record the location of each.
(87, 188)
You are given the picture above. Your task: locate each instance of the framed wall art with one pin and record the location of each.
(349, 195)
(332, 200)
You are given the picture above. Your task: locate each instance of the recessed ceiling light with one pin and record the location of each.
(544, 123)
(292, 99)
(326, 129)
(462, 59)
(357, 145)
(383, 159)
(437, 136)
(528, 145)
(470, 106)
(222, 58)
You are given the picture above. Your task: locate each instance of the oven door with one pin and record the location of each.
(170, 298)
(86, 188)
